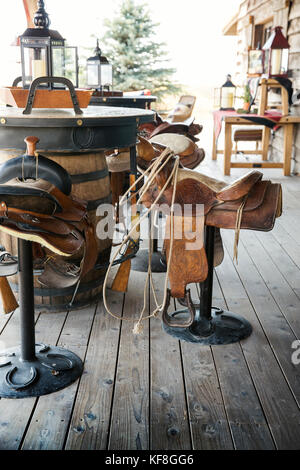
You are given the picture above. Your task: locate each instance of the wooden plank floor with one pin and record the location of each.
(153, 392)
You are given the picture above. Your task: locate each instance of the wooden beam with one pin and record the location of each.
(265, 142)
(256, 165)
(231, 28)
(30, 7)
(288, 148)
(227, 148)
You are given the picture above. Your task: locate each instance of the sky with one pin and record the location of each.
(191, 29)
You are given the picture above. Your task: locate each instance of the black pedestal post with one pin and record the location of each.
(26, 301)
(211, 325)
(32, 369)
(140, 261)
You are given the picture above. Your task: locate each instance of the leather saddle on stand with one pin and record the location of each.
(248, 203)
(35, 205)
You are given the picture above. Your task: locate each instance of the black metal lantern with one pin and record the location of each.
(276, 51)
(44, 54)
(224, 97)
(99, 71)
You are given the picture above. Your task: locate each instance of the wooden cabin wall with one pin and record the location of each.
(293, 34)
(285, 13)
(255, 12)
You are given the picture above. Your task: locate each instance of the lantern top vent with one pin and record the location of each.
(42, 22)
(41, 17)
(97, 51)
(276, 40)
(228, 82)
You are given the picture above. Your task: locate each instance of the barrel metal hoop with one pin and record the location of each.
(92, 176)
(50, 292)
(93, 205)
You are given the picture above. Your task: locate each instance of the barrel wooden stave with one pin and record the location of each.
(91, 183)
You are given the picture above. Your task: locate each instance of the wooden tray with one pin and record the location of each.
(17, 97)
(107, 93)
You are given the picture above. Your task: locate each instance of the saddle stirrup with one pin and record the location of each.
(188, 302)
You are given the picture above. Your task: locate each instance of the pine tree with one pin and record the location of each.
(138, 59)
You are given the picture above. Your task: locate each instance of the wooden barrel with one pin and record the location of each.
(90, 181)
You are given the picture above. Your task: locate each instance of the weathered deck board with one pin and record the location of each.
(15, 414)
(91, 416)
(291, 224)
(130, 414)
(169, 426)
(280, 289)
(279, 405)
(287, 243)
(50, 420)
(284, 263)
(247, 422)
(276, 328)
(208, 420)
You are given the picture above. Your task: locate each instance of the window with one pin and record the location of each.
(262, 32)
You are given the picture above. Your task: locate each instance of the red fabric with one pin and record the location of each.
(272, 115)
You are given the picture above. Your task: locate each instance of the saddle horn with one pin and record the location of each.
(29, 167)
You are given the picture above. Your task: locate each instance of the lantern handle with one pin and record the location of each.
(17, 81)
(63, 80)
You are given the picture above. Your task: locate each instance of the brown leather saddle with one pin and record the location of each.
(189, 153)
(189, 128)
(36, 205)
(248, 203)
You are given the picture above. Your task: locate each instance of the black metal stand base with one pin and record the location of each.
(32, 370)
(223, 328)
(140, 262)
(211, 326)
(52, 369)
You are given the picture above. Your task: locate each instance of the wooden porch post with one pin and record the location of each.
(227, 148)
(30, 7)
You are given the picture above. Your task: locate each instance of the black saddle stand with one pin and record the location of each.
(32, 370)
(211, 325)
(140, 261)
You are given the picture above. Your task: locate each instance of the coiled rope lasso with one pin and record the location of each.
(151, 173)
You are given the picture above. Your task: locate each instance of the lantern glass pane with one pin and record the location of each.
(35, 63)
(276, 61)
(227, 98)
(106, 75)
(284, 61)
(266, 64)
(58, 62)
(92, 74)
(70, 57)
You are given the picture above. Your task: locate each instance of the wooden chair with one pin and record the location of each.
(248, 135)
(183, 110)
(263, 103)
(263, 136)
